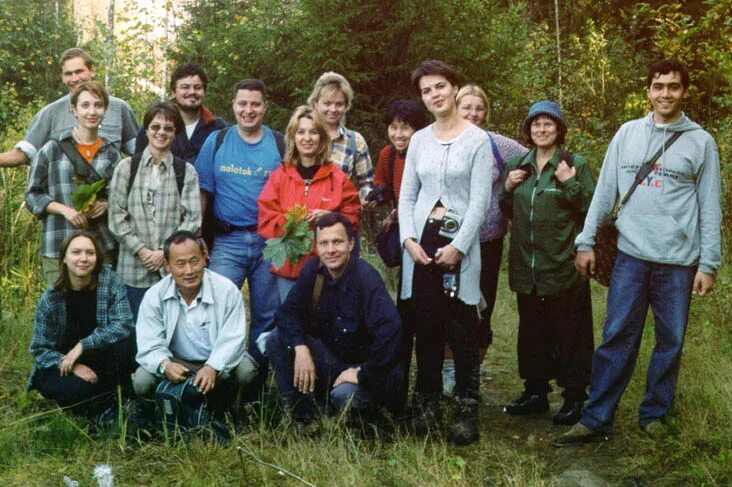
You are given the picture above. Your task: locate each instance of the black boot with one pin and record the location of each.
(570, 412)
(427, 417)
(528, 403)
(464, 428)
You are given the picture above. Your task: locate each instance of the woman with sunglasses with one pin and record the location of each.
(148, 203)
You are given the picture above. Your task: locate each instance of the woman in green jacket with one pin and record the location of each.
(546, 195)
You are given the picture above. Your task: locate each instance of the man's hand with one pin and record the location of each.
(447, 256)
(416, 252)
(584, 262)
(304, 370)
(68, 360)
(175, 373)
(97, 209)
(85, 373)
(703, 283)
(205, 379)
(564, 172)
(348, 375)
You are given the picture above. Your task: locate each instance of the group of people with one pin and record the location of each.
(185, 217)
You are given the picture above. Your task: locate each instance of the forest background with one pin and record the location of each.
(591, 56)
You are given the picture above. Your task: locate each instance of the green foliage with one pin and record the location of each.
(295, 243)
(85, 195)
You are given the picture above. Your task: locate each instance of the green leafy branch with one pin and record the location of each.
(295, 243)
(84, 196)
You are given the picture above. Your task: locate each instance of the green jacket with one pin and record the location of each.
(546, 216)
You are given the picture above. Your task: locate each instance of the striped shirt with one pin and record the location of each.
(148, 215)
(53, 178)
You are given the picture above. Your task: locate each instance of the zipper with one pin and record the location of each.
(531, 231)
(307, 187)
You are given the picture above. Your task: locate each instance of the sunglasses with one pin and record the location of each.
(156, 127)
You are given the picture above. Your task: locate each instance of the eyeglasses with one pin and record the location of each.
(156, 127)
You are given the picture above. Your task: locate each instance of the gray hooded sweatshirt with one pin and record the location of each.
(674, 216)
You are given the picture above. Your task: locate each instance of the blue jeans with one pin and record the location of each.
(238, 256)
(635, 284)
(134, 296)
(284, 286)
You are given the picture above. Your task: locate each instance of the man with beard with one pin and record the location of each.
(188, 91)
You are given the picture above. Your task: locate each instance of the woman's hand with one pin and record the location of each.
(78, 220)
(564, 172)
(514, 178)
(315, 214)
(97, 209)
(68, 360)
(448, 256)
(416, 252)
(84, 372)
(151, 259)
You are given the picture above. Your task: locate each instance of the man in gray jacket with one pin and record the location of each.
(668, 247)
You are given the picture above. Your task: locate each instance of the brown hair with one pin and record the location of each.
(292, 156)
(168, 111)
(434, 67)
(95, 88)
(63, 283)
(75, 52)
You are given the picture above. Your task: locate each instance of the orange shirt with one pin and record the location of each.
(88, 151)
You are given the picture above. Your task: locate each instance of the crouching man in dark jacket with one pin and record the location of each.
(338, 334)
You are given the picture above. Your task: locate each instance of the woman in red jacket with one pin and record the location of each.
(306, 178)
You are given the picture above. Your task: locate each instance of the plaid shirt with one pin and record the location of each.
(350, 152)
(138, 219)
(114, 321)
(53, 178)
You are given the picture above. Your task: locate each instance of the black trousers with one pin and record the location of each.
(113, 366)
(490, 269)
(555, 341)
(440, 319)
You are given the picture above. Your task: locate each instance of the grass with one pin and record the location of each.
(39, 444)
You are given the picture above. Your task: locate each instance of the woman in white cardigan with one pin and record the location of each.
(445, 192)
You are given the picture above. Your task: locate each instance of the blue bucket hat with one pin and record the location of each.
(544, 107)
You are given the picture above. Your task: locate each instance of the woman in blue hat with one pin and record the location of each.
(546, 195)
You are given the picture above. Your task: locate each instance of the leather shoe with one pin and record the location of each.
(528, 403)
(569, 414)
(579, 434)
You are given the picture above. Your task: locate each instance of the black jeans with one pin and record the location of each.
(490, 268)
(113, 365)
(304, 407)
(440, 319)
(555, 340)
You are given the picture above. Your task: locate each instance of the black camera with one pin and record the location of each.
(378, 194)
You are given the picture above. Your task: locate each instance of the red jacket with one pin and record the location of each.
(329, 190)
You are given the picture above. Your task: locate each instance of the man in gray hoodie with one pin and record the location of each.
(668, 247)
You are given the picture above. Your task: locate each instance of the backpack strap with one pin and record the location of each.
(134, 167)
(390, 165)
(500, 163)
(179, 167)
(81, 167)
(220, 139)
(280, 141)
(317, 290)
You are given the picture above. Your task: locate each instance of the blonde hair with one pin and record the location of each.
(330, 82)
(292, 155)
(475, 90)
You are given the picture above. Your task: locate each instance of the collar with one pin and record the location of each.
(529, 159)
(205, 293)
(147, 158)
(342, 132)
(342, 281)
(207, 115)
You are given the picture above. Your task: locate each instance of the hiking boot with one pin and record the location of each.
(569, 414)
(427, 418)
(464, 429)
(528, 403)
(579, 434)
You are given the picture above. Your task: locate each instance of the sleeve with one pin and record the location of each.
(293, 315)
(190, 202)
(481, 179)
(350, 203)
(385, 329)
(129, 130)
(604, 198)
(118, 325)
(577, 191)
(120, 220)
(37, 196)
(363, 167)
(381, 173)
(38, 133)
(152, 346)
(708, 191)
(44, 342)
(271, 219)
(205, 163)
(408, 194)
(229, 348)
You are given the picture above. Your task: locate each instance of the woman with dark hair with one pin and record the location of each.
(445, 192)
(306, 178)
(79, 157)
(546, 195)
(148, 203)
(81, 343)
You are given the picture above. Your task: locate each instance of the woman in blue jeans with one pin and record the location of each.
(83, 332)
